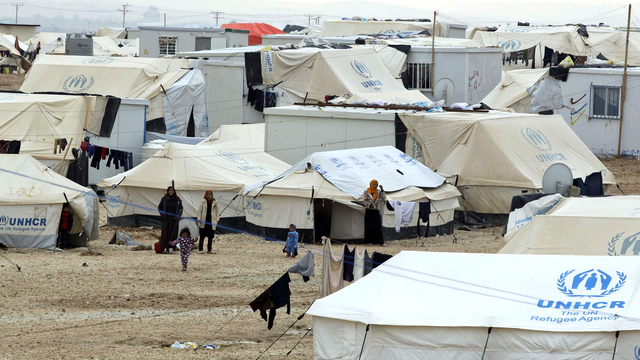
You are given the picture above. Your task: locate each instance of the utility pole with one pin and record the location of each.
(318, 19)
(624, 80)
(217, 14)
(124, 12)
(17, 5)
(309, 16)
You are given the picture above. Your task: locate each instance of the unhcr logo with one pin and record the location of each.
(232, 157)
(77, 84)
(636, 352)
(98, 61)
(592, 283)
(629, 245)
(536, 139)
(4, 220)
(361, 69)
(510, 45)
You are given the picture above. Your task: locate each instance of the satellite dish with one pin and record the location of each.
(444, 90)
(557, 179)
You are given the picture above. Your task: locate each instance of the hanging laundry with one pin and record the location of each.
(83, 146)
(379, 258)
(281, 296)
(78, 169)
(91, 149)
(424, 211)
(114, 155)
(104, 152)
(304, 267)
(358, 264)
(348, 259)
(263, 303)
(332, 268)
(63, 144)
(368, 264)
(403, 212)
(252, 96)
(130, 161)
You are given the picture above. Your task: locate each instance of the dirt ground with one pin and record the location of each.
(11, 81)
(133, 304)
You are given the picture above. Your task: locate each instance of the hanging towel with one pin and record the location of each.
(368, 263)
(358, 264)
(379, 258)
(403, 212)
(304, 267)
(332, 268)
(347, 269)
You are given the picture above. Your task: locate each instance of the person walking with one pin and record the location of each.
(170, 209)
(374, 201)
(184, 243)
(208, 217)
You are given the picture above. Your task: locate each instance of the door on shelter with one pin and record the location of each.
(322, 210)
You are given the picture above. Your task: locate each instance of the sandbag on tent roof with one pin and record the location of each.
(226, 168)
(30, 208)
(125, 77)
(256, 30)
(340, 177)
(313, 73)
(497, 155)
(37, 120)
(421, 305)
(581, 226)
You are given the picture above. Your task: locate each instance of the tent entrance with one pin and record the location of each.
(322, 212)
(191, 127)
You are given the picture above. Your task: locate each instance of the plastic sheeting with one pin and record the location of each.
(545, 95)
(182, 99)
(256, 30)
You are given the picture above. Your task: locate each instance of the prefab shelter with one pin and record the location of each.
(224, 167)
(581, 226)
(421, 305)
(31, 206)
(135, 78)
(320, 195)
(494, 156)
(256, 30)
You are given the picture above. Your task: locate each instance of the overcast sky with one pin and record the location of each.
(612, 12)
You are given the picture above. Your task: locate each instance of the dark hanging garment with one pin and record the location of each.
(79, 168)
(373, 227)
(368, 263)
(379, 258)
(253, 68)
(252, 96)
(548, 54)
(281, 296)
(263, 303)
(424, 211)
(582, 31)
(594, 184)
(347, 268)
(559, 73)
(14, 147)
(109, 118)
(260, 98)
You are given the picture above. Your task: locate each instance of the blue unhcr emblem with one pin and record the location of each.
(591, 283)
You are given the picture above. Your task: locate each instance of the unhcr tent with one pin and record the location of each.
(136, 78)
(495, 156)
(226, 168)
(256, 30)
(581, 226)
(421, 305)
(31, 205)
(526, 91)
(115, 33)
(252, 134)
(320, 193)
(350, 27)
(313, 73)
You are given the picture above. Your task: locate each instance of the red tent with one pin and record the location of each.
(256, 30)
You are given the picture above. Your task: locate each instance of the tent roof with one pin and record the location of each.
(37, 120)
(483, 290)
(352, 27)
(226, 166)
(313, 73)
(117, 76)
(107, 46)
(499, 149)
(514, 87)
(352, 170)
(252, 134)
(6, 44)
(256, 30)
(581, 226)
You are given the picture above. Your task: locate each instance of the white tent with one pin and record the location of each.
(115, 33)
(517, 91)
(136, 78)
(252, 134)
(30, 207)
(48, 41)
(581, 226)
(106, 46)
(318, 193)
(352, 27)
(494, 156)
(359, 74)
(226, 168)
(421, 305)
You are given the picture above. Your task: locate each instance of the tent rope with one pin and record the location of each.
(281, 335)
(11, 262)
(363, 340)
(294, 346)
(486, 343)
(615, 346)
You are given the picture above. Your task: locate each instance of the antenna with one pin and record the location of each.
(557, 179)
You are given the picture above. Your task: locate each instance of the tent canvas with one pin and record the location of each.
(581, 226)
(421, 305)
(313, 73)
(252, 134)
(495, 156)
(226, 168)
(514, 87)
(256, 30)
(30, 209)
(350, 27)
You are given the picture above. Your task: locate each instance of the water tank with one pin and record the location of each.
(79, 44)
(152, 147)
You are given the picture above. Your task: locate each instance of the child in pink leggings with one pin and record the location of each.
(184, 242)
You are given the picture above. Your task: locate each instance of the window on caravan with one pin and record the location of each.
(167, 45)
(605, 102)
(419, 75)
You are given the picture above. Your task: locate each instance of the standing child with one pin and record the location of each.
(292, 241)
(66, 223)
(184, 242)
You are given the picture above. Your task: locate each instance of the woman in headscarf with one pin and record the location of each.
(208, 217)
(374, 202)
(170, 209)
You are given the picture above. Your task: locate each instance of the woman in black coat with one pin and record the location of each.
(170, 209)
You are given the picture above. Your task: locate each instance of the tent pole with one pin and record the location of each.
(624, 79)
(363, 340)
(615, 346)
(433, 55)
(486, 343)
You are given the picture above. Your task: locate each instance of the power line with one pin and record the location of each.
(217, 14)
(17, 5)
(124, 12)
